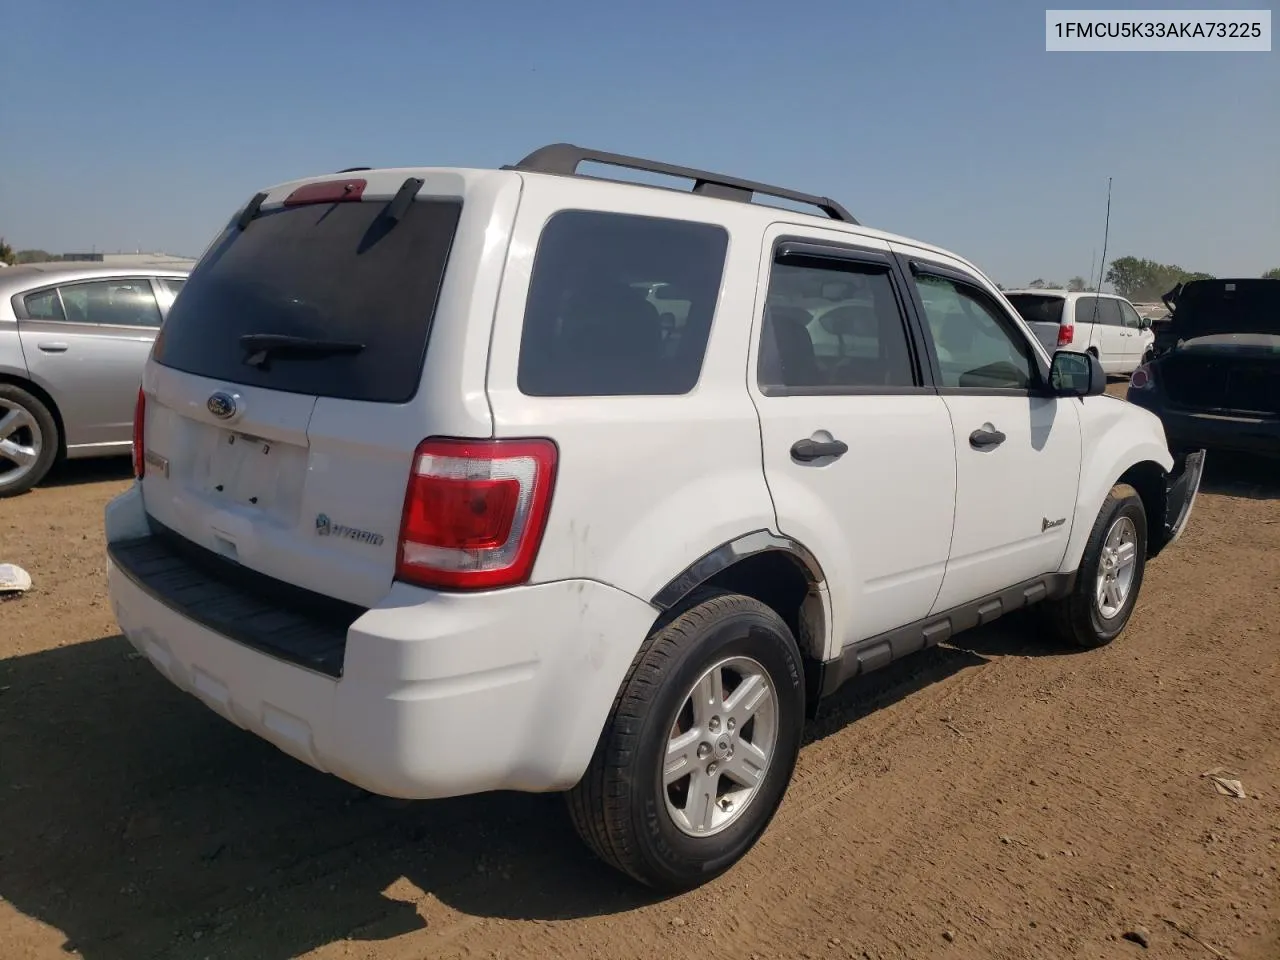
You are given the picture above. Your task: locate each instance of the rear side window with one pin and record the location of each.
(113, 303)
(1104, 310)
(619, 305)
(1035, 308)
(169, 288)
(1109, 311)
(44, 305)
(341, 273)
(830, 327)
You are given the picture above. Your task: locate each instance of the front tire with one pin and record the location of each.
(1110, 575)
(699, 748)
(28, 440)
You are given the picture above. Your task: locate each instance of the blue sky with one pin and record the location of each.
(144, 124)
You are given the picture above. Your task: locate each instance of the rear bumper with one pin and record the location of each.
(1189, 430)
(441, 694)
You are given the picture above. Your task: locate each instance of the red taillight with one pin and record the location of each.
(139, 435)
(474, 512)
(327, 191)
(1066, 333)
(1140, 379)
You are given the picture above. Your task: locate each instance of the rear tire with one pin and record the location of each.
(714, 703)
(28, 440)
(1110, 575)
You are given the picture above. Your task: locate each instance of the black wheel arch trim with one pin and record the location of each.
(729, 553)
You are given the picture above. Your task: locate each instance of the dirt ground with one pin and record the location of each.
(996, 798)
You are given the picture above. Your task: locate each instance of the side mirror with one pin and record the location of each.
(1077, 375)
(1144, 323)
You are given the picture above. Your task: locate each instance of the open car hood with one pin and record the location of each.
(1203, 308)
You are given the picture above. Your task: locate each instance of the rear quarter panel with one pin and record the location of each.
(12, 362)
(646, 485)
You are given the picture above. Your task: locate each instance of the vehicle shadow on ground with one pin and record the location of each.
(1240, 475)
(1020, 634)
(71, 473)
(138, 823)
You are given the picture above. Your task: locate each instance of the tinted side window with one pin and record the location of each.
(830, 325)
(121, 303)
(1109, 311)
(619, 305)
(44, 305)
(978, 346)
(1089, 310)
(1035, 308)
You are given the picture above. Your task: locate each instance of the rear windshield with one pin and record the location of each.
(331, 272)
(1036, 308)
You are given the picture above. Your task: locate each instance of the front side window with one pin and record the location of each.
(619, 305)
(977, 345)
(118, 303)
(1129, 315)
(832, 325)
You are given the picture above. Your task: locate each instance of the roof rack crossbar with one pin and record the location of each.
(565, 158)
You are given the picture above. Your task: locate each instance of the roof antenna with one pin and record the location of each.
(1102, 267)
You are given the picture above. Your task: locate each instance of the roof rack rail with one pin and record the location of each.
(564, 159)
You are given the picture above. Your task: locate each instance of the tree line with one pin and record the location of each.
(13, 257)
(1138, 280)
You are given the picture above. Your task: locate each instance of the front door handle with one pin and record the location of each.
(809, 449)
(985, 439)
(53, 346)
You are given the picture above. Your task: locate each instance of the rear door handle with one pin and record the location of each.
(809, 449)
(53, 346)
(986, 439)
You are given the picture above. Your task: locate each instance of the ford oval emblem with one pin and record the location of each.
(222, 406)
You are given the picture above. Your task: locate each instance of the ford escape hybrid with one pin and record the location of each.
(456, 480)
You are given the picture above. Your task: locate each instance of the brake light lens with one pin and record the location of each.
(139, 435)
(1066, 333)
(1141, 378)
(474, 512)
(327, 191)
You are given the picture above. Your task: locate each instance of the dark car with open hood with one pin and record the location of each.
(1214, 379)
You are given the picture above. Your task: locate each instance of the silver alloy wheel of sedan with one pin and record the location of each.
(720, 746)
(21, 442)
(1116, 568)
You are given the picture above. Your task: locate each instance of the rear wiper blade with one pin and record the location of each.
(259, 348)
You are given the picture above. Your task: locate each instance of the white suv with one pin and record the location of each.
(1103, 324)
(437, 494)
